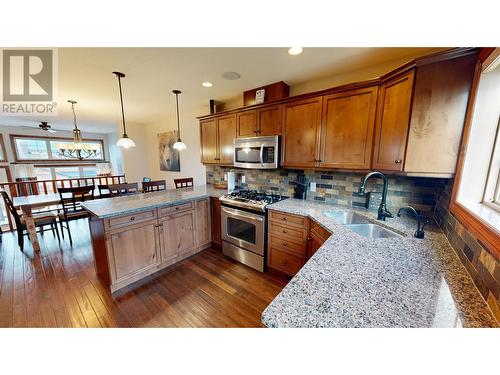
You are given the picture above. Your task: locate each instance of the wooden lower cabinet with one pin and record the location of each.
(130, 247)
(133, 252)
(203, 223)
(317, 237)
(292, 240)
(177, 236)
(216, 222)
(287, 242)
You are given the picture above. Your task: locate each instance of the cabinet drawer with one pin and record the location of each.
(286, 232)
(285, 262)
(289, 219)
(319, 230)
(173, 209)
(132, 218)
(287, 245)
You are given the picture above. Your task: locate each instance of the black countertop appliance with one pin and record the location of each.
(300, 187)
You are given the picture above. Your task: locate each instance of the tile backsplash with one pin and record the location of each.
(482, 265)
(337, 187)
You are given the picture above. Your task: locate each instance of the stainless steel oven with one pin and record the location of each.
(256, 152)
(243, 236)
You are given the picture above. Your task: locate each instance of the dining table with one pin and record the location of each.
(27, 204)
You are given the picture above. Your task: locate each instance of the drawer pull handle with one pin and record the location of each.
(132, 218)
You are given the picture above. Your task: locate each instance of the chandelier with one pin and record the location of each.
(77, 149)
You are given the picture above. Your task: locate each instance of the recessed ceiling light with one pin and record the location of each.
(206, 84)
(295, 51)
(230, 75)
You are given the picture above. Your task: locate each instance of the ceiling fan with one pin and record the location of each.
(45, 126)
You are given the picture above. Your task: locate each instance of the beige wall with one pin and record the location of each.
(143, 161)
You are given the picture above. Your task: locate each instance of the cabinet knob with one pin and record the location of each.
(284, 262)
(132, 218)
(285, 231)
(398, 161)
(285, 244)
(284, 218)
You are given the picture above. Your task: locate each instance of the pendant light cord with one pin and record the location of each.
(74, 115)
(178, 125)
(121, 101)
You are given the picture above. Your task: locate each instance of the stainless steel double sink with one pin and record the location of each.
(360, 225)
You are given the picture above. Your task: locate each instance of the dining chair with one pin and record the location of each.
(151, 186)
(123, 189)
(71, 199)
(183, 182)
(41, 219)
(103, 191)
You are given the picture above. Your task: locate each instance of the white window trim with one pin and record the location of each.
(491, 197)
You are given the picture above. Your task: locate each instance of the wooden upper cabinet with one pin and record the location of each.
(259, 122)
(393, 117)
(439, 106)
(269, 121)
(208, 133)
(227, 134)
(347, 129)
(301, 132)
(247, 123)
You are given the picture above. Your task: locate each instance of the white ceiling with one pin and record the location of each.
(152, 74)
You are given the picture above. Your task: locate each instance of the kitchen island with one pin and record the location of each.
(354, 281)
(137, 235)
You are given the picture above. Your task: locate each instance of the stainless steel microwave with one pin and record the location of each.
(257, 152)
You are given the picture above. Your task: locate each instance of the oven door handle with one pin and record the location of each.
(239, 213)
(262, 154)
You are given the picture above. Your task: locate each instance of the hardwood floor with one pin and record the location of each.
(58, 287)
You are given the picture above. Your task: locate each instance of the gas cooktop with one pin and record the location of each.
(251, 199)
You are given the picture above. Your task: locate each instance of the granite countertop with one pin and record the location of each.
(354, 281)
(117, 206)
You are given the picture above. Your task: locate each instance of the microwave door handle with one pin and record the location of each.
(262, 154)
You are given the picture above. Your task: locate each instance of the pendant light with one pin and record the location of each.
(179, 145)
(78, 149)
(124, 141)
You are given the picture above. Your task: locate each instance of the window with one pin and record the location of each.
(492, 190)
(475, 200)
(62, 172)
(3, 154)
(29, 148)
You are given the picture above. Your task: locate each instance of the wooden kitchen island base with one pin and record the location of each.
(131, 247)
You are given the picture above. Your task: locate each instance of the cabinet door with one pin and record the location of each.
(314, 244)
(227, 134)
(269, 120)
(208, 134)
(393, 116)
(347, 128)
(247, 123)
(216, 222)
(301, 132)
(134, 251)
(177, 236)
(437, 117)
(203, 222)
